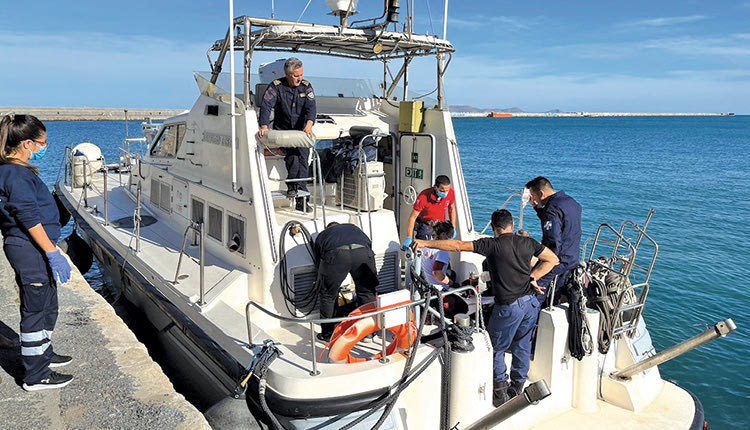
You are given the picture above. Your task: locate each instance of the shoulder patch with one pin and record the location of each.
(548, 225)
(304, 81)
(276, 82)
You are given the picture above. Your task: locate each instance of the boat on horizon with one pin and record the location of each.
(198, 234)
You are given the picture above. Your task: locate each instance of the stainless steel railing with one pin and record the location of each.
(311, 322)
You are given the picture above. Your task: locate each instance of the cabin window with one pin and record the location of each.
(196, 210)
(236, 233)
(197, 216)
(169, 141)
(215, 218)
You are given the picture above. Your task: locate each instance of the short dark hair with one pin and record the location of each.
(441, 227)
(331, 224)
(502, 219)
(539, 183)
(442, 180)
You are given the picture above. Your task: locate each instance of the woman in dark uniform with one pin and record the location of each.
(30, 225)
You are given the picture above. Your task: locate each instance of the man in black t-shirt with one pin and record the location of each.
(514, 285)
(343, 249)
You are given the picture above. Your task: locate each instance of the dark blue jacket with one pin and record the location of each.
(561, 231)
(25, 201)
(292, 106)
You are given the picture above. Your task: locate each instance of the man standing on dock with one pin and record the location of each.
(292, 101)
(560, 216)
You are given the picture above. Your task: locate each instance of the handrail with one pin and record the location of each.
(520, 222)
(314, 321)
(198, 228)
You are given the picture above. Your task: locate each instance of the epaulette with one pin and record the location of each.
(277, 82)
(305, 82)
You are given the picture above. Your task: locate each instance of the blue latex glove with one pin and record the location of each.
(60, 266)
(455, 233)
(407, 242)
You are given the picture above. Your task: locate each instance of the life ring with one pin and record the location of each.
(349, 333)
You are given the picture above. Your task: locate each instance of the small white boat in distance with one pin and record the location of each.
(198, 233)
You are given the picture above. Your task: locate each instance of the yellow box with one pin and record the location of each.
(410, 116)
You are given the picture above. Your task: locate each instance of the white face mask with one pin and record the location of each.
(525, 197)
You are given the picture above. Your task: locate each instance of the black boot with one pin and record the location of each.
(515, 389)
(302, 205)
(500, 393)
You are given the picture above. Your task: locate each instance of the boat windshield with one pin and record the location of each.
(331, 87)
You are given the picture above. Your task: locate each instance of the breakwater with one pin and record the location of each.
(585, 114)
(91, 113)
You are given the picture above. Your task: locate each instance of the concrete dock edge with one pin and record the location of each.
(116, 385)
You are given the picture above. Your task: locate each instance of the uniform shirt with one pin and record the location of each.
(509, 263)
(433, 208)
(292, 106)
(339, 235)
(429, 257)
(561, 231)
(25, 201)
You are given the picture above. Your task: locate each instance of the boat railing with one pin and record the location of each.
(631, 301)
(317, 178)
(514, 193)
(377, 313)
(197, 227)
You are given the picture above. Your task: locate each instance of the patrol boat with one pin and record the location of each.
(198, 233)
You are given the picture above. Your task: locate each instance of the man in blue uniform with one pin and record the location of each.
(560, 216)
(343, 249)
(293, 102)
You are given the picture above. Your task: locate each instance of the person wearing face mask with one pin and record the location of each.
(437, 203)
(30, 225)
(560, 217)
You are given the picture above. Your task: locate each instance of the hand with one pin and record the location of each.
(418, 243)
(308, 131)
(263, 130)
(536, 286)
(60, 266)
(407, 242)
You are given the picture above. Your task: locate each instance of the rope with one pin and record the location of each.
(608, 290)
(308, 300)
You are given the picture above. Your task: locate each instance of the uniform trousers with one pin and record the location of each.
(296, 167)
(510, 327)
(334, 266)
(38, 291)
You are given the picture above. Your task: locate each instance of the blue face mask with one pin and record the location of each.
(442, 195)
(38, 155)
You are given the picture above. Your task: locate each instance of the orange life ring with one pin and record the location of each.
(349, 333)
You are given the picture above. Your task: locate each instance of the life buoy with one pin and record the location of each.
(349, 333)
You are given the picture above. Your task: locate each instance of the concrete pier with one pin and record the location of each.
(116, 383)
(91, 113)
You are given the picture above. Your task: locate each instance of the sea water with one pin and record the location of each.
(693, 171)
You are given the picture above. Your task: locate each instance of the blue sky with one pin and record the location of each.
(632, 56)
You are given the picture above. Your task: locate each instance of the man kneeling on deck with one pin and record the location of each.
(514, 285)
(343, 249)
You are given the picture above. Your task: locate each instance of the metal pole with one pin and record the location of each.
(138, 218)
(532, 394)
(722, 328)
(314, 352)
(182, 252)
(246, 71)
(203, 255)
(85, 180)
(106, 199)
(232, 91)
